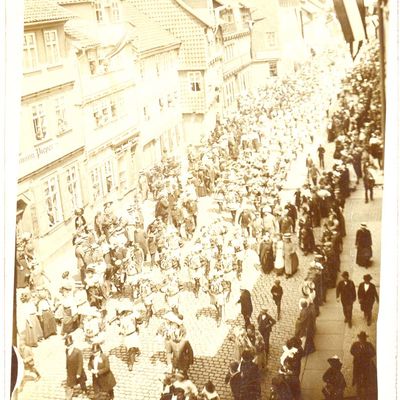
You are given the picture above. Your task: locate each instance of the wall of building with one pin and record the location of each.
(160, 119)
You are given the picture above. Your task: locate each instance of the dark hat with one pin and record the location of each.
(247, 355)
(68, 340)
(367, 277)
(345, 274)
(334, 361)
(96, 348)
(234, 365)
(363, 335)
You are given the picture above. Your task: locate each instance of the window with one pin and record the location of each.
(39, 122)
(30, 52)
(62, 124)
(108, 176)
(161, 104)
(52, 50)
(122, 181)
(271, 39)
(95, 177)
(99, 10)
(273, 68)
(97, 116)
(115, 11)
(108, 110)
(52, 200)
(105, 112)
(73, 187)
(194, 80)
(146, 114)
(113, 106)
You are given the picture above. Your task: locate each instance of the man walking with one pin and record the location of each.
(265, 324)
(346, 292)
(246, 305)
(369, 183)
(364, 368)
(364, 246)
(367, 295)
(75, 372)
(321, 156)
(277, 293)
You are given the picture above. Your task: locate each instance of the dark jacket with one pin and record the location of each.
(346, 292)
(367, 298)
(364, 369)
(265, 325)
(335, 383)
(104, 381)
(363, 238)
(245, 303)
(75, 367)
(250, 388)
(234, 382)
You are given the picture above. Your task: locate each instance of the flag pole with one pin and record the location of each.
(381, 35)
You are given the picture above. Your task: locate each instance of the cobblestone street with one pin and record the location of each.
(211, 344)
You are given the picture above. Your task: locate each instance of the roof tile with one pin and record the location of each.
(182, 24)
(44, 11)
(150, 35)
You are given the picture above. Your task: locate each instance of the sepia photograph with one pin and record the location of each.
(199, 190)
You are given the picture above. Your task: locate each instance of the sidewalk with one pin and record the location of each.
(333, 336)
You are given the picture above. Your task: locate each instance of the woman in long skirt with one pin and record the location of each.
(266, 255)
(279, 257)
(290, 256)
(30, 325)
(46, 316)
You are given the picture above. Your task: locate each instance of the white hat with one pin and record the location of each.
(172, 317)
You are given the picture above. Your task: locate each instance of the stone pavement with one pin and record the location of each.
(212, 347)
(333, 336)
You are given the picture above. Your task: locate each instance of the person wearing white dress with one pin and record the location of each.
(279, 255)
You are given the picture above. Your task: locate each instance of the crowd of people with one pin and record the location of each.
(243, 165)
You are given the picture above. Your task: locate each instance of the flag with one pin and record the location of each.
(351, 16)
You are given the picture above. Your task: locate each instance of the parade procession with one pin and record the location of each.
(244, 267)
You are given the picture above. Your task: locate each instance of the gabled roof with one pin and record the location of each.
(88, 33)
(149, 34)
(36, 11)
(206, 21)
(183, 23)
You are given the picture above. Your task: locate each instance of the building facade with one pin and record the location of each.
(51, 144)
(105, 60)
(200, 59)
(235, 20)
(265, 39)
(160, 116)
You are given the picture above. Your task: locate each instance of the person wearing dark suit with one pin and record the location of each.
(246, 305)
(346, 292)
(75, 372)
(250, 388)
(364, 367)
(102, 377)
(367, 295)
(265, 324)
(364, 246)
(233, 378)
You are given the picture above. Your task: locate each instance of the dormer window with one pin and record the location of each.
(98, 5)
(115, 13)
